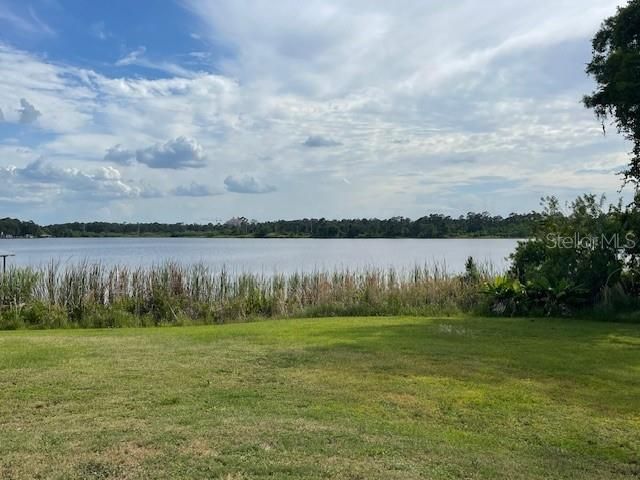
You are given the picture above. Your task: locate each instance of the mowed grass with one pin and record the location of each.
(359, 398)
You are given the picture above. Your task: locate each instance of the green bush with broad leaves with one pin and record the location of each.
(581, 258)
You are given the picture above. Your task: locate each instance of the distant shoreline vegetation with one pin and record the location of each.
(562, 277)
(472, 225)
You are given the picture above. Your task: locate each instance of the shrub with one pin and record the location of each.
(506, 295)
(41, 315)
(573, 261)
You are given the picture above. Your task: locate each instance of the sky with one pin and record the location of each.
(201, 110)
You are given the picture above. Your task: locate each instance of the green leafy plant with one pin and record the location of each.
(573, 261)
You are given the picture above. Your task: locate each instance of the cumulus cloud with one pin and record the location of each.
(315, 141)
(195, 190)
(62, 92)
(41, 178)
(119, 154)
(503, 93)
(177, 154)
(1, 116)
(247, 184)
(28, 113)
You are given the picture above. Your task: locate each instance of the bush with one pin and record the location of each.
(573, 261)
(114, 317)
(35, 314)
(40, 315)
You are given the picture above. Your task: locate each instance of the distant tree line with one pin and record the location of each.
(18, 228)
(432, 226)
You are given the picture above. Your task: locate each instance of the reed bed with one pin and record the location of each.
(94, 295)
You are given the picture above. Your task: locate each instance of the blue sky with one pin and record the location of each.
(199, 110)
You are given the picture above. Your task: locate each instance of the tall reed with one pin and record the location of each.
(96, 295)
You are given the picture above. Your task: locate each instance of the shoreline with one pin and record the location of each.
(271, 237)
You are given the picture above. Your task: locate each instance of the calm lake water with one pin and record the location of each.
(262, 255)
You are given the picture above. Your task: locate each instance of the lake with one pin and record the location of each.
(263, 255)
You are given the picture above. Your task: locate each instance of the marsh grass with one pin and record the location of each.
(95, 295)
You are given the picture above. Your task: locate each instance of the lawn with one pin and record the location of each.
(359, 398)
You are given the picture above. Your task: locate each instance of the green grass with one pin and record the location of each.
(359, 398)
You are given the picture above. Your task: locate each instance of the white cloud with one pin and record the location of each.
(138, 57)
(27, 22)
(317, 141)
(177, 154)
(119, 154)
(38, 24)
(334, 47)
(247, 184)
(45, 180)
(63, 93)
(132, 57)
(28, 113)
(195, 189)
(396, 88)
(99, 30)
